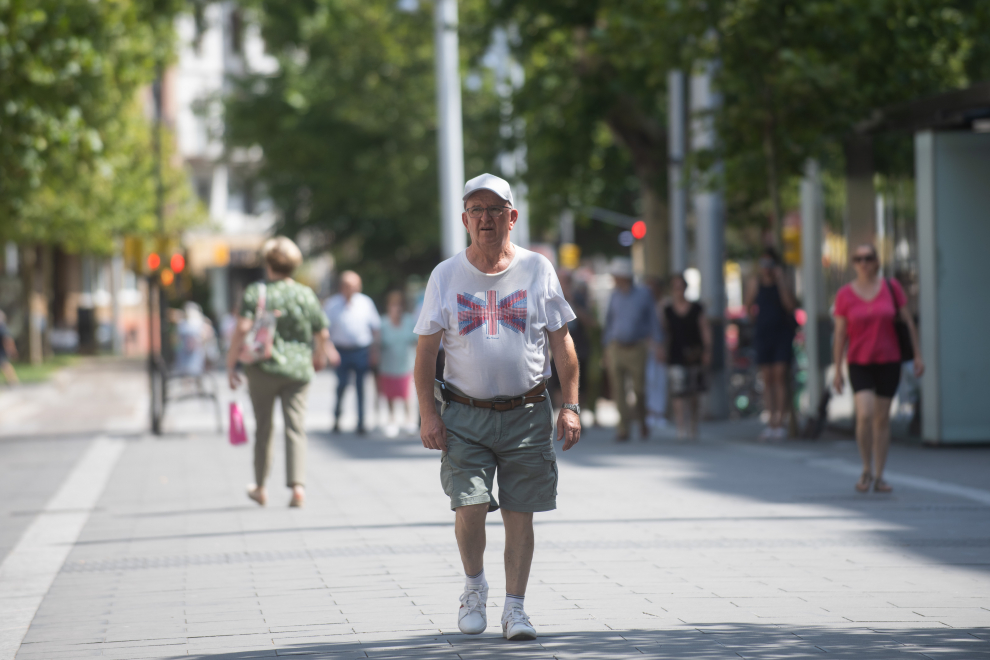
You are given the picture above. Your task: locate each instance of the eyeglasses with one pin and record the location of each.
(864, 258)
(494, 212)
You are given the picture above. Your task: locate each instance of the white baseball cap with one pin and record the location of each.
(489, 182)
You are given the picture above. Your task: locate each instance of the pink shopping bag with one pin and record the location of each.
(237, 434)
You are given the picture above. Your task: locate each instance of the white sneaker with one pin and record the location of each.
(516, 625)
(472, 618)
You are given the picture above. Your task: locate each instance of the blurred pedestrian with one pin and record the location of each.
(581, 329)
(8, 352)
(632, 332)
(656, 367)
(398, 356)
(298, 348)
(771, 304)
(194, 334)
(689, 351)
(500, 311)
(866, 311)
(355, 328)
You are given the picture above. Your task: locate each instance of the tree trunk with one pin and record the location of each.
(656, 216)
(647, 145)
(773, 185)
(48, 293)
(32, 336)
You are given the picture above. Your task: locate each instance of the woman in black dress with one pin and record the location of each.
(771, 304)
(689, 345)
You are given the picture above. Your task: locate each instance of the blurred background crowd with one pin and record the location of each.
(689, 153)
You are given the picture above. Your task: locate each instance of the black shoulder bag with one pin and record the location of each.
(901, 329)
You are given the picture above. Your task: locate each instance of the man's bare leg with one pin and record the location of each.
(469, 528)
(519, 543)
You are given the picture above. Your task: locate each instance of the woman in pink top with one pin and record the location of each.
(865, 311)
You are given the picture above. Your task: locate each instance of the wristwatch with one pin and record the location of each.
(573, 407)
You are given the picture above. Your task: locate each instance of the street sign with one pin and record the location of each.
(570, 255)
(791, 236)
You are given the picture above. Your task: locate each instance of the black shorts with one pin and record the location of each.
(882, 378)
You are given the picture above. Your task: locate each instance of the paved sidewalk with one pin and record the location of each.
(717, 549)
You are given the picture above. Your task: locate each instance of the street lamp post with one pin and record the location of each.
(450, 130)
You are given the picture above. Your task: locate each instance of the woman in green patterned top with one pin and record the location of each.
(300, 347)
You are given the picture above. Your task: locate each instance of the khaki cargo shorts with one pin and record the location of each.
(515, 445)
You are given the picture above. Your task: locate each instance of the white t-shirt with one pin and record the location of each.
(352, 323)
(495, 325)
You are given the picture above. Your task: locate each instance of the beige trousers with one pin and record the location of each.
(627, 365)
(264, 388)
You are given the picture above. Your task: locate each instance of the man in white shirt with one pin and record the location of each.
(499, 310)
(354, 331)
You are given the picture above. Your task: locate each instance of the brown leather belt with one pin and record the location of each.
(535, 395)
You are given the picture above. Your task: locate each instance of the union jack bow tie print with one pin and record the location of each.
(473, 312)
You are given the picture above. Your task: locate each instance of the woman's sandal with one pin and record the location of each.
(298, 499)
(881, 486)
(864, 483)
(257, 495)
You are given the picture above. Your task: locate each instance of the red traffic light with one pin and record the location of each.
(154, 261)
(639, 229)
(178, 263)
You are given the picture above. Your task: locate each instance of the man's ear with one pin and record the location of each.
(464, 220)
(513, 217)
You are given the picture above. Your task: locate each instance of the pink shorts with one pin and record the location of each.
(394, 387)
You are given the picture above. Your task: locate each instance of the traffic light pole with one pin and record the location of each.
(156, 377)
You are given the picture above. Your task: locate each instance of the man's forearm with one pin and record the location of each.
(567, 369)
(424, 375)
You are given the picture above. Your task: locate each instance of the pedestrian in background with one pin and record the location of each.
(771, 304)
(866, 310)
(355, 328)
(582, 329)
(8, 352)
(299, 348)
(632, 331)
(689, 351)
(398, 357)
(656, 367)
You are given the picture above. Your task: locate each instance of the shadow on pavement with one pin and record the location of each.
(947, 529)
(702, 643)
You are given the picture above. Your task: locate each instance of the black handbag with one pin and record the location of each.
(901, 329)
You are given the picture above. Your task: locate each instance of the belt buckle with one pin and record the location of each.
(497, 401)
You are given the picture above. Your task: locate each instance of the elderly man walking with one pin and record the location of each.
(355, 329)
(499, 310)
(631, 330)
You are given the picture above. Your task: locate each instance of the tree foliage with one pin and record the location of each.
(348, 128)
(795, 77)
(70, 71)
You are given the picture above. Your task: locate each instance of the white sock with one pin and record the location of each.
(510, 599)
(476, 580)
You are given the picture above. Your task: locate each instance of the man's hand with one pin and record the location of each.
(333, 357)
(433, 432)
(568, 428)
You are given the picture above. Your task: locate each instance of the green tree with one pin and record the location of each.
(798, 75)
(68, 70)
(795, 77)
(85, 205)
(595, 106)
(348, 128)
